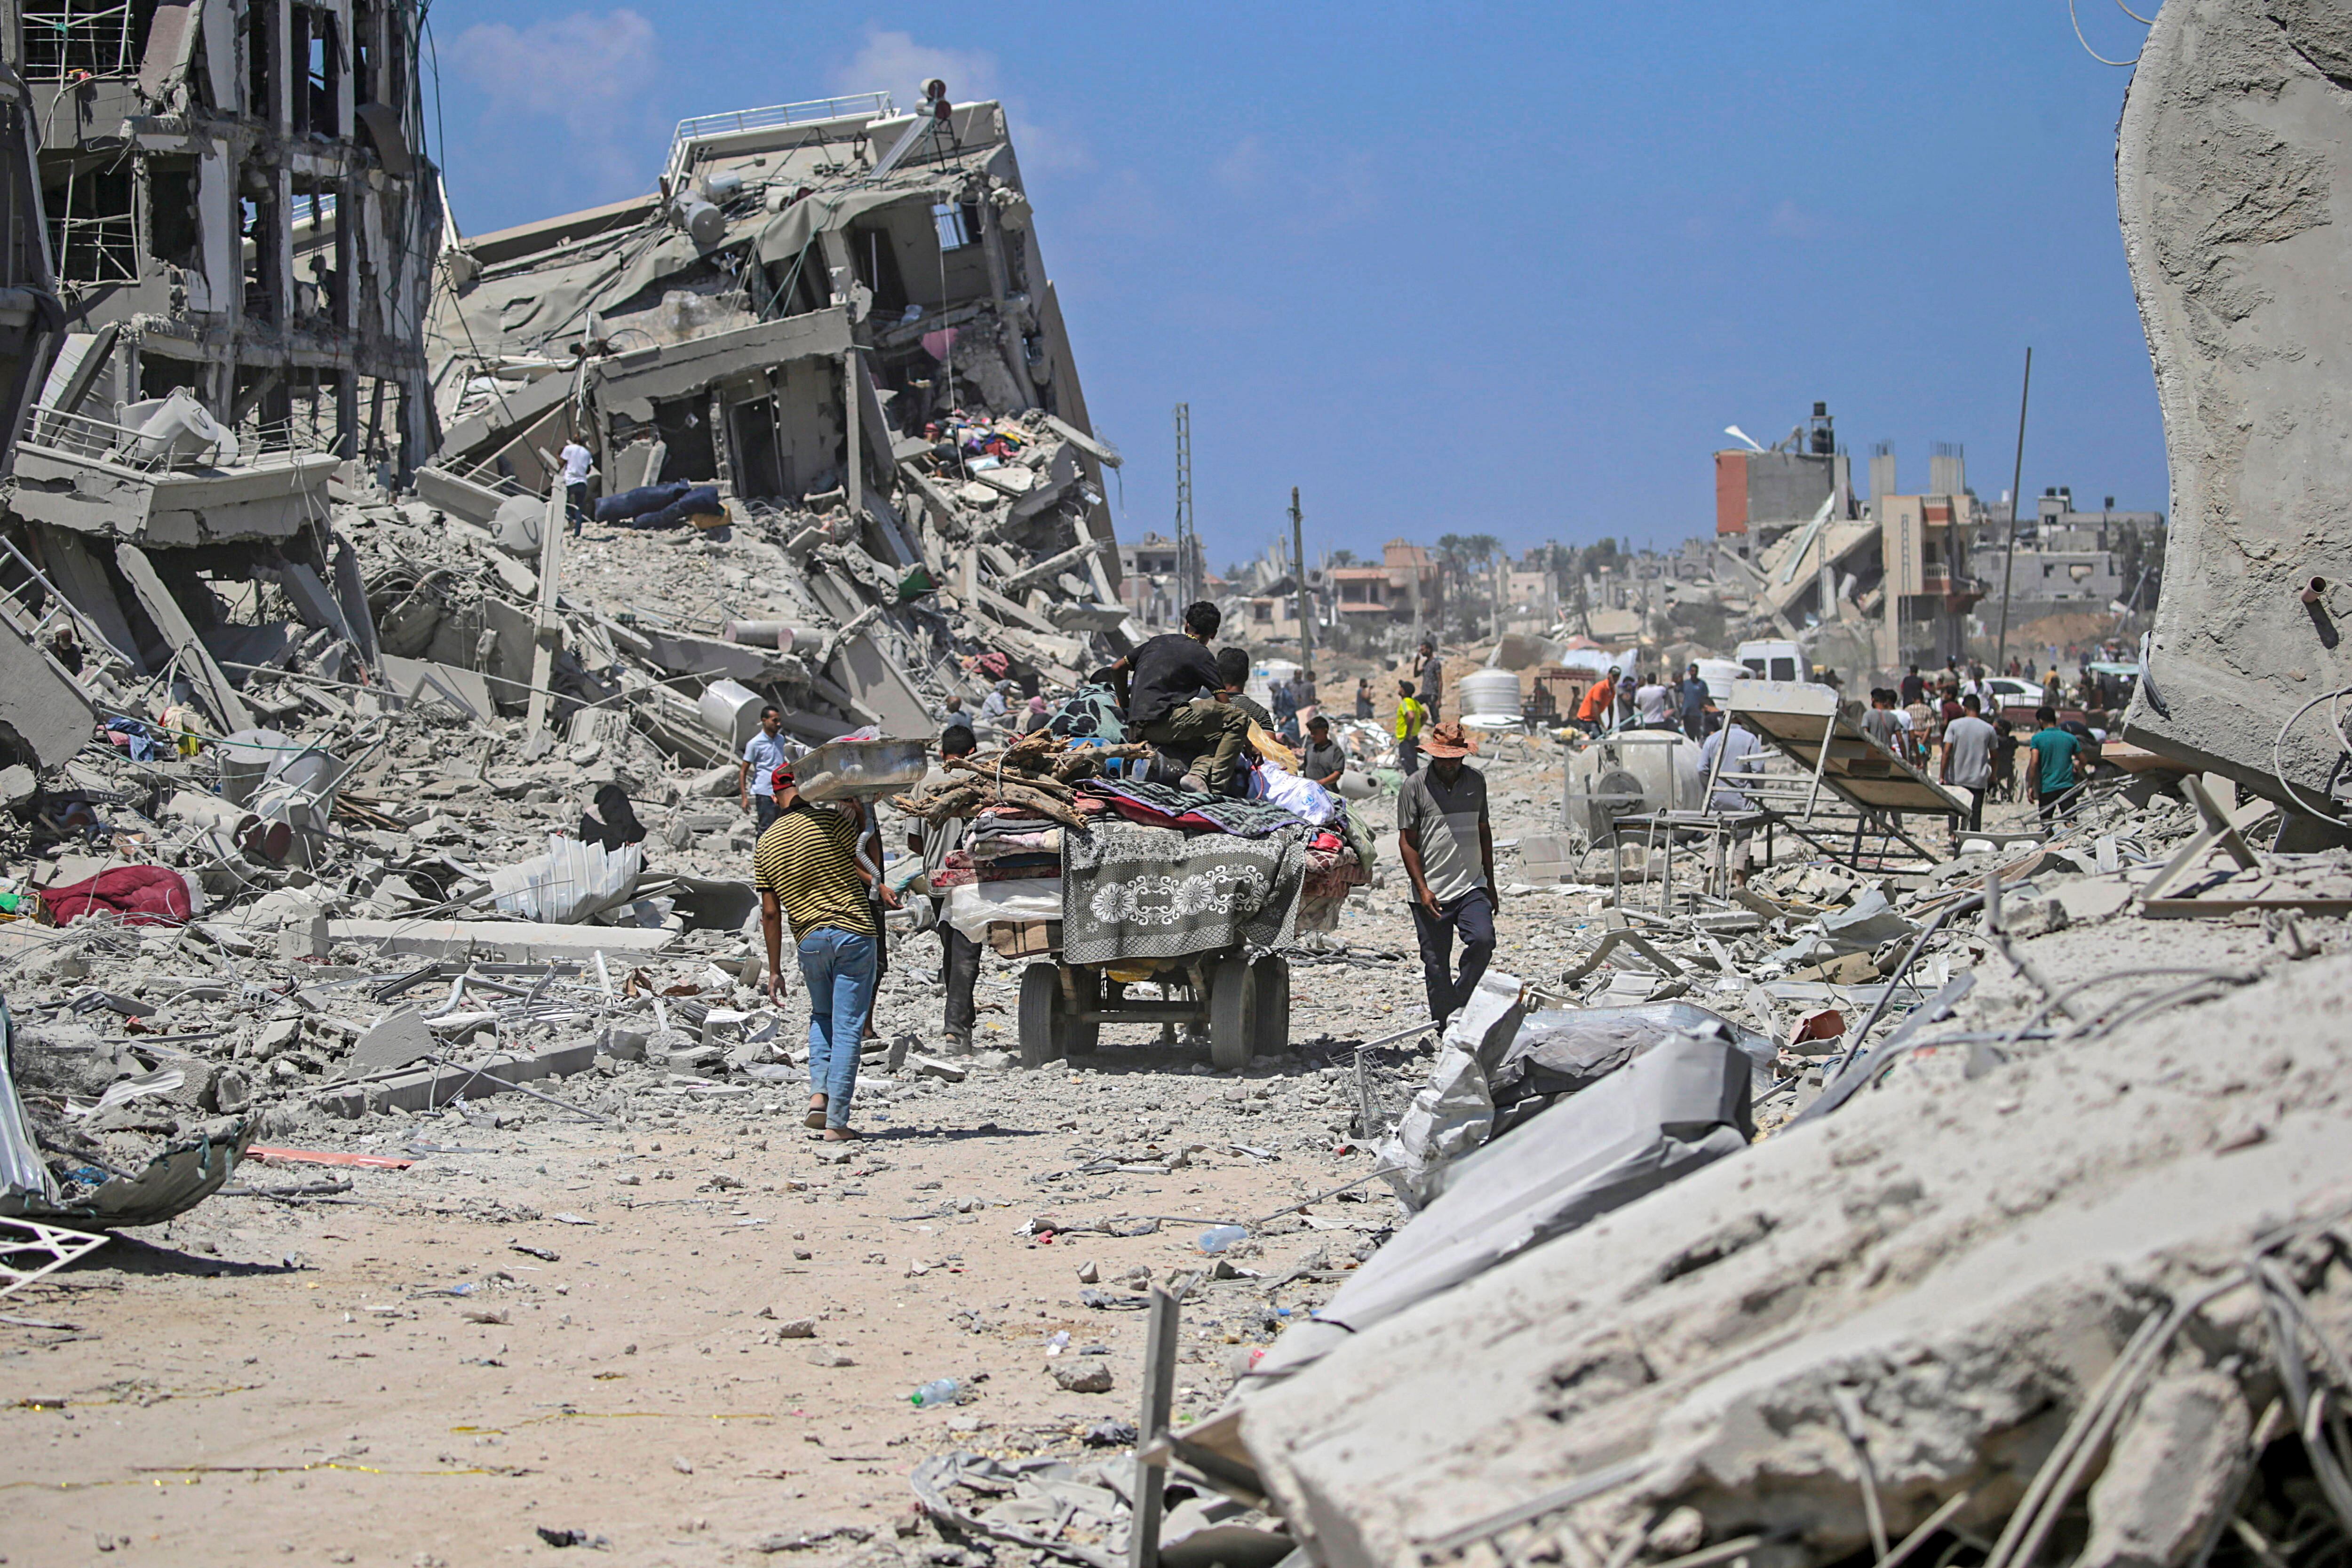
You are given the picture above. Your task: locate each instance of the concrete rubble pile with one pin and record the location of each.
(331, 860)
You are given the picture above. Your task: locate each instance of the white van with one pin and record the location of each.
(1772, 661)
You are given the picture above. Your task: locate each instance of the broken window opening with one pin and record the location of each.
(97, 37)
(872, 252)
(317, 64)
(260, 83)
(959, 225)
(364, 23)
(160, 377)
(174, 227)
(686, 431)
(91, 231)
(260, 226)
(759, 463)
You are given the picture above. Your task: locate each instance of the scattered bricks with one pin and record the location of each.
(278, 1035)
(932, 1067)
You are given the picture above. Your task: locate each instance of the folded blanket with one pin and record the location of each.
(1152, 892)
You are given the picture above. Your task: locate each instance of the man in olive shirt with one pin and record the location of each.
(1447, 846)
(807, 871)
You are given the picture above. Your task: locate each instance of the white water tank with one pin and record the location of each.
(730, 712)
(1489, 694)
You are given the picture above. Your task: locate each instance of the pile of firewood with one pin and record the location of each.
(1039, 773)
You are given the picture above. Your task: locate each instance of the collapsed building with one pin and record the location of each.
(832, 321)
(239, 208)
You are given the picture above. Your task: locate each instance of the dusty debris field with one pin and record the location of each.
(394, 1375)
(385, 1376)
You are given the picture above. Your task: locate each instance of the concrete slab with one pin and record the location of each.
(522, 941)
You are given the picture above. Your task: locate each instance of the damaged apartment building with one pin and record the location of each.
(831, 320)
(238, 206)
(241, 224)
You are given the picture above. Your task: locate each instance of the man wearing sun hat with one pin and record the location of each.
(1447, 846)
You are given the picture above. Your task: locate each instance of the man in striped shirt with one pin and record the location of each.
(807, 872)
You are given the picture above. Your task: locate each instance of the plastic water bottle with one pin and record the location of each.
(938, 1391)
(1218, 1238)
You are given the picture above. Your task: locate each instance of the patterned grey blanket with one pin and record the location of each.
(1131, 891)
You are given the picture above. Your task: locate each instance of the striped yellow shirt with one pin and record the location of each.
(808, 859)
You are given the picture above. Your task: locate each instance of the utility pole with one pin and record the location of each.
(1298, 565)
(1188, 545)
(2016, 502)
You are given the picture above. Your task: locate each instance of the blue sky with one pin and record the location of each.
(1471, 268)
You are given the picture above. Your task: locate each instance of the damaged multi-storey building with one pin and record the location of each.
(241, 220)
(239, 207)
(832, 318)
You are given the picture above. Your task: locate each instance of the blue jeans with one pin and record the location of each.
(838, 968)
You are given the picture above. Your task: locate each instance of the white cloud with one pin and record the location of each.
(590, 72)
(896, 64)
(576, 69)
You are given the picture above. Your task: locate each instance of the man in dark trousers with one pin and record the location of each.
(959, 954)
(1168, 688)
(1447, 846)
(1430, 675)
(1695, 695)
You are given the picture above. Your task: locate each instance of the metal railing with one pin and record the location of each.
(774, 117)
(62, 39)
(96, 440)
(94, 249)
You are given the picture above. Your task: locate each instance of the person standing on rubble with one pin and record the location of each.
(763, 753)
(577, 461)
(1695, 696)
(1364, 697)
(959, 954)
(1432, 674)
(1447, 845)
(1168, 689)
(1409, 716)
(1968, 757)
(2056, 751)
(807, 872)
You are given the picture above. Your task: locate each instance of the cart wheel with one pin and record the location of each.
(1273, 1005)
(1080, 1039)
(1045, 1021)
(1232, 1012)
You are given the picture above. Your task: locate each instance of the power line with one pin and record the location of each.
(2086, 43)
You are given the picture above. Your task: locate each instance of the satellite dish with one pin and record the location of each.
(1737, 434)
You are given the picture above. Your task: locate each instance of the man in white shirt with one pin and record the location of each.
(1654, 703)
(577, 461)
(763, 753)
(1968, 757)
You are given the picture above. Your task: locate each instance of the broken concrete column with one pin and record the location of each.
(43, 718)
(2233, 158)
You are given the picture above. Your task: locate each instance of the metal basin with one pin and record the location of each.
(846, 770)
